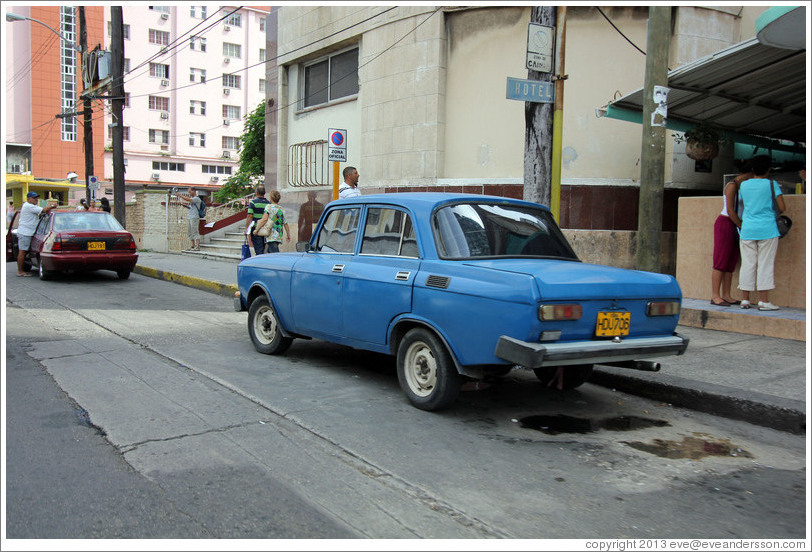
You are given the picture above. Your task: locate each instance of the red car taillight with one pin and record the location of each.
(560, 312)
(124, 244)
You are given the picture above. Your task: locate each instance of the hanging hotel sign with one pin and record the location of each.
(540, 42)
(530, 90)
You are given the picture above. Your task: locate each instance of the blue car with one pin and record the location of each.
(457, 287)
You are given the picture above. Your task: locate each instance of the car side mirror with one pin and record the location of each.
(303, 247)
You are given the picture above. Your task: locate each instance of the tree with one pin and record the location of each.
(251, 170)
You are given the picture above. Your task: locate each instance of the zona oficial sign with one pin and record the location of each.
(337, 145)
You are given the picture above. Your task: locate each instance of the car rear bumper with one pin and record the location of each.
(84, 261)
(536, 355)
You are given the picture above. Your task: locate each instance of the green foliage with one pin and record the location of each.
(702, 133)
(251, 169)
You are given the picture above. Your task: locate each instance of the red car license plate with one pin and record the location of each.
(96, 246)
(613, 323)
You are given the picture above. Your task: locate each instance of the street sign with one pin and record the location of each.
(540, 42)
(93, 183)
(530, 90)
(337, 145)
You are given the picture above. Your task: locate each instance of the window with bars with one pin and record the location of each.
(159, 70)
(67, 66)
(197, 43)
(197, 107)
(197, 139)
(231, 81)
(232, 50)
(235, 20)
(125, 30)
(330, 78)
(158, 37)
(159, 103)
(157, 136)
(231, 112)
(231, 142)
(168, 166)
(126, 133)
(197, 74)
(216, 169)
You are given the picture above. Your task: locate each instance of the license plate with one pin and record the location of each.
(612, 324)
(96, 246)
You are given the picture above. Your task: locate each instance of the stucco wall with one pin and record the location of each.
(695, 251)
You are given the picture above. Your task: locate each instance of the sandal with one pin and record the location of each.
(722, 304)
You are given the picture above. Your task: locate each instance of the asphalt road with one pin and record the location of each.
(191, 434)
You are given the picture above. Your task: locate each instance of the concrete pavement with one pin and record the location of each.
(755, 378)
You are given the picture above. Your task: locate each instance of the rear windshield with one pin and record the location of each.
(85, 221)
(475, 230)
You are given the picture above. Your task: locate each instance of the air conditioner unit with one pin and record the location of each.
(164, 115)
(226, 122)
(226, 60)
(226, 154)
(227, 27)
(215, 178)
(156, 176)
(164, 82)
(164, 16)
(226, 91)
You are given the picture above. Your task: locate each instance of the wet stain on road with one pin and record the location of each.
(692, 448)
(556, 425)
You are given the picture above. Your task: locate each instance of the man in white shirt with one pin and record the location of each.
(29, 218)
(350, 186)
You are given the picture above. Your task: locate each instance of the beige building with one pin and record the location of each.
(430, 109)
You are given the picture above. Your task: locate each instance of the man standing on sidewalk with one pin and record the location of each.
(193, 202)
(256, 208)
(29, 218)
(350, 186)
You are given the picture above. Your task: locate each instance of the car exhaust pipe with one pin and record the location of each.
(642, 365)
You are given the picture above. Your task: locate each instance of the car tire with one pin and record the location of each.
(426, 371)
(123, 274)
(265, 329)
(44, 274)
(573, 376)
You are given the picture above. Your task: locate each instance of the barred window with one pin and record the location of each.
(159, 103)
(67, 69)
(232, 50)
(158, 37)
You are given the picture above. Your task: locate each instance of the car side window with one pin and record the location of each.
(337, 234)
(43, 224)
(388, 232)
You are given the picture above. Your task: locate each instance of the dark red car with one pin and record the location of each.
(77, 241)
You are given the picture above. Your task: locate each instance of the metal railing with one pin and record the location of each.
(307, 164)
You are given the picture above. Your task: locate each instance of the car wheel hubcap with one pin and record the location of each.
(265, 325)
(421, 369)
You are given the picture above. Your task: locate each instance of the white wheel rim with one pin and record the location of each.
(265, 325)
(420, 369)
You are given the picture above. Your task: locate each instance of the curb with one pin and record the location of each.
(719, 400)
(227, 290)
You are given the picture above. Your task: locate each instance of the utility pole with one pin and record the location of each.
(117, 93)
(538, 128)
(652, 158)
(88, 110)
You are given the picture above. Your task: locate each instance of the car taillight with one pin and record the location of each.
(124, 244)
(56, 245)
(662, 308)
(560, 312)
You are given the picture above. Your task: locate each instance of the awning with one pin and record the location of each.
(755, 93)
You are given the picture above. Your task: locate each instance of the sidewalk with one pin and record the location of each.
(744, 374)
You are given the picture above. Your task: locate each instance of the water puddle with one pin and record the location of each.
(692, 448)
(555, 425)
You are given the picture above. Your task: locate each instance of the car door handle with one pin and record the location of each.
(403, 275)
(338, 268)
